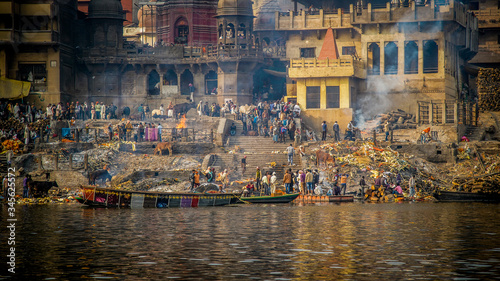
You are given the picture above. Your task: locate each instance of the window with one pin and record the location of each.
(35, 73)
(307, 52)
(332, 97)
(182, 31)
(373, 59)
(430, 57)
(350, 51)
(411, 58)
(313, 97)
(242, 32)
(391, 59)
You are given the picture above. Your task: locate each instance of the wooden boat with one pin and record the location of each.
(114, 198)
(286, 198)
(458, 196)
(306, 198)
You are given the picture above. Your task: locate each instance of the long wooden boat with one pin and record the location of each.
(458, 196)
(286, 198)
(306, 198)
(114, 198)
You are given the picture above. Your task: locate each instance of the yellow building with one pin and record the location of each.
(391, 56)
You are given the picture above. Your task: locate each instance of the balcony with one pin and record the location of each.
(488, 18)
(312, 21)
(39, 36)
(314, 68)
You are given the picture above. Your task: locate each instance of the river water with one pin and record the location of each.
(351, 241)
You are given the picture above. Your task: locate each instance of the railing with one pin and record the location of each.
(431, 69)
(314, 62)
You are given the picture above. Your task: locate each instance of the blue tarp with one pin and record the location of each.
(66, 132)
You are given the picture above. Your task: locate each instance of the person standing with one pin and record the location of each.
(97, 110)
(287, 180)
(343, 183)
(199, 108)
(386, 130)
(273, 182)
(244, 164)
(159, 131)
(411, 185)
(258, 176)
(110, 131)
(290, 150)
(191, 91)
(265, 184)
(323, 131)
(362, 184)
(336, 131)
(224, 179)
(140, 110)
(309, 182)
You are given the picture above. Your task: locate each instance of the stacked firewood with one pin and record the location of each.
(489, 183)
(488, 82)
(398, 119)
(13, 123)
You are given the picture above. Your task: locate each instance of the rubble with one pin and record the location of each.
(398, 119)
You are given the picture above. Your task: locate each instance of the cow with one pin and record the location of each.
(100, 174)
(163, 146)
(41, 188)
(325, 157)
(183, 108)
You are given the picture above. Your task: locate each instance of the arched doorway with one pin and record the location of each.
(153, 85)
(430, 57)
(186, 79)
(181, 31)
(374, 59)
(411, 58)
(211, 82)
(391, 59)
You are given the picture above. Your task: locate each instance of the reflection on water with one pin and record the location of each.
(273, 242)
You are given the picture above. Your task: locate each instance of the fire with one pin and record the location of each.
(182, 124)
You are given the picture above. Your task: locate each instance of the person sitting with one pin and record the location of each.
(397, 190)
(233, 129)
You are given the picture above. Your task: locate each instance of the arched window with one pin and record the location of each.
(181, 31)
(391, 59)
(153, 83)
(242, 33)
(430, 57)
(373, 59)
(230, 30)
(170, 78)
(186, 79)
(411, 58)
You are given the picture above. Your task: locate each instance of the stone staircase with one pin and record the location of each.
(259, 151)
(474, 133)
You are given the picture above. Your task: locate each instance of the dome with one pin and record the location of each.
(106, 9)
(234, 8)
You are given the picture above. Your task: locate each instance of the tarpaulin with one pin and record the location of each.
(13, 89)
(66, 132)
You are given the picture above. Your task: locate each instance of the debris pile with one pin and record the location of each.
(14, 145)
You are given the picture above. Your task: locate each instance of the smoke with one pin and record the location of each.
(377, 100)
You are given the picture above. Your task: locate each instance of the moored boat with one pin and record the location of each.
(114, 198)
(306, 198)
(458, 196)
(269, 199)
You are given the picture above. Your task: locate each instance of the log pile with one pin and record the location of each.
(488, 82)
(398, 119)
(489, 183)
(13, 123)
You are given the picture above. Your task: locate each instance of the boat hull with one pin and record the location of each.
(323, 198)
(457, 196)
(113, 198)
(270, 199)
